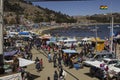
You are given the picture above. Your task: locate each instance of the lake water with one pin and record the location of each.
(87, 31)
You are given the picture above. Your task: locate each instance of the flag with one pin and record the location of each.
(103, 7)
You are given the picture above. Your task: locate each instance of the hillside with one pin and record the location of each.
(105, 18)
(98, 18)
(14, 9)
(17, 10)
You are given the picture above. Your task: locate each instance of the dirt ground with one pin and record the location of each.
(48, 70)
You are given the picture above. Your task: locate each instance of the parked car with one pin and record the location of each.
(99, 56)
(109, 61)
(97, 68)
(106, 61)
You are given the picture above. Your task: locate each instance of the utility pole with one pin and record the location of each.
(96, 35)
(1, 34)
(112, 34)
(104, 7)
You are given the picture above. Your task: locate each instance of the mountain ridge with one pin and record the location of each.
(14, 9)
(34, 13)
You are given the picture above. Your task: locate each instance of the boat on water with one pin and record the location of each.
(92, 30)
(117, 26)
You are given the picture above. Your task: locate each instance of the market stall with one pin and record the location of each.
(71, 58)
(99, 42)
(9, 55)
(45, 38)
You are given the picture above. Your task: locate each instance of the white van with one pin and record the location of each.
(12, 34)
(69, 42)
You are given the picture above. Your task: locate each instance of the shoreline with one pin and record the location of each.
(89, 24)
(82, 26)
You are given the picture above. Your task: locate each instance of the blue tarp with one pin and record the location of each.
(77, 66)
(11, 53)
(69, 51)
(53, 39)
(23, 33)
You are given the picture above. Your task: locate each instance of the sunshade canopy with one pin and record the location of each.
(10, 53)
(69, 51)
(25, 62)
(23, 33)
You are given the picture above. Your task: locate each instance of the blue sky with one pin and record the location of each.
(73, 8)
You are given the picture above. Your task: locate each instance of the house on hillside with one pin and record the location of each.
(45, 23)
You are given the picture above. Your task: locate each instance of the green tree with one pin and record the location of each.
(38, 19)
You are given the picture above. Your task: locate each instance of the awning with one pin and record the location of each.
(25, 62)
(69, 51)
(23, 33)
(46, 36)
(48, 42)
(15, 76)
(97, 39)
(10, 53)
(86, 39)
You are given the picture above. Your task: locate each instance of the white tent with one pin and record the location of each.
(25, 62)
(117, 37)
(86, 39)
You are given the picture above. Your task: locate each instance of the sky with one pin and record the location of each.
(75, 8)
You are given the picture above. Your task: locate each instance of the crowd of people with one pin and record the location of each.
(57, 57)
(54, 54)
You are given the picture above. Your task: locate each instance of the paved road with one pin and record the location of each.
(73, 74)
